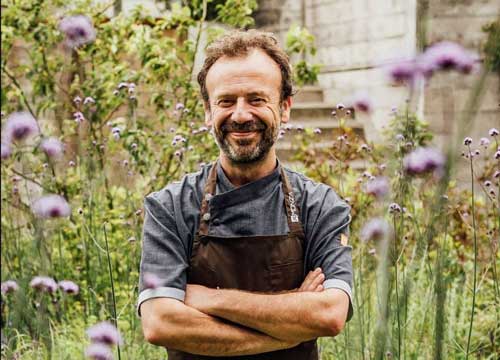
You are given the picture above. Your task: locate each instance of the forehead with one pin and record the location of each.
(255, 72)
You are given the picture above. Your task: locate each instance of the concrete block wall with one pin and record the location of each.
(355, 37)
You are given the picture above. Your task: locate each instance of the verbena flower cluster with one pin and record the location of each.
(440, 56)
(78, 30)
(102, 335)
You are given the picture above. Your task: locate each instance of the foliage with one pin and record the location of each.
(492, 45)
(144, 128)
(299, 41)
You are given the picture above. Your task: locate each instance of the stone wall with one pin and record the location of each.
(446, 95)
(355, 37)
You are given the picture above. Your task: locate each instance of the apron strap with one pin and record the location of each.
(207, 195)
(291, 207)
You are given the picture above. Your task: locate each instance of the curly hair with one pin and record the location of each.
(239, 43)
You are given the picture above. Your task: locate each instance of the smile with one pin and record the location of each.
(243, 134)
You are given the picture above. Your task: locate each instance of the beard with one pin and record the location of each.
(245, 151)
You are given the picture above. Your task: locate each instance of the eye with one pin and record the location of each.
(257, 101)
(225, 102)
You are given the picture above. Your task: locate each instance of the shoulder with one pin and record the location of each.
(189, 187)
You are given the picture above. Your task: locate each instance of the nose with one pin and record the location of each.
(241, 112)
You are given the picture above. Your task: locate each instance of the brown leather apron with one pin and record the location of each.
(268, 263)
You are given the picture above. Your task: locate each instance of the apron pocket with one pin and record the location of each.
(286, 276)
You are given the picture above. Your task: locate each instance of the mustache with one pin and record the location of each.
(255, 125)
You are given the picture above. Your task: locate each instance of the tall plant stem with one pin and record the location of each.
(112, 285)
(396, 257)
(475, 257)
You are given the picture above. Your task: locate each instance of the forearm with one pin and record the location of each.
(296, 316)
(194, 332)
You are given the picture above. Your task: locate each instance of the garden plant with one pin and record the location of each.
(99, 111)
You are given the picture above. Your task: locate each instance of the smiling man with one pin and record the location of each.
(248, 253)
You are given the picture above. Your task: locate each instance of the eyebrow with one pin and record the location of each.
(253, 93)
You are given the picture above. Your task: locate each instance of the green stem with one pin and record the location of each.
(396, 280)
(475, 257)
(112, 285)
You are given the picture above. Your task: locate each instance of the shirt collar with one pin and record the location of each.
(228, 194)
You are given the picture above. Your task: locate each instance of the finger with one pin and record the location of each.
(308, 282)
(318, 280)
(319, 288)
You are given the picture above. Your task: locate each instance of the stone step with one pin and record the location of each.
(358, 165)
(325, 124)
(286, 146)
(309, 93)
(302, 112)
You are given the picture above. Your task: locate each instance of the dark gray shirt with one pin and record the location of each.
(257, 208)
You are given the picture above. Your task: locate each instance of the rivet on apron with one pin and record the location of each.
(206, 216)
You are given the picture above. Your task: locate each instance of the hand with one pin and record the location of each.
(313, 281)
(197, 296)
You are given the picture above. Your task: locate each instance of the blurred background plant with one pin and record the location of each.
(101, 111)
(299, 45)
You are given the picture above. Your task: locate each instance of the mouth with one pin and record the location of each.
(243, 134)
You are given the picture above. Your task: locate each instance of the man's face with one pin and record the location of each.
(245, 109)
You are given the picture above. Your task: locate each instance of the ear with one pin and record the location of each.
(287, 106)
(208, 117)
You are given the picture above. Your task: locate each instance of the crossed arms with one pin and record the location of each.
(217, 322)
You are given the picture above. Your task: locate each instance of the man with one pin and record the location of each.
(232, 243)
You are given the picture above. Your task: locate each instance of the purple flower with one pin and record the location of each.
(151, 281)
(78, 116)
(403, 72)
(6, 150)
(447, 56)
(44, 284)
(19, 126)
(98, 352)
(104, 333)
(88, 100)
(361, 101)
(493, 132)
(423, 160)
(69, 287)
(467, 141)
(52, 147)
(179, 106)
(496, 174)
(484, 142)
(487, 183)
(77, 100)
(394, 208)
(365, 147)
(51, 206)
(78, 30)
(340, 106)
(378, 187)
(497, 155)
(9, 286)
(375, 229)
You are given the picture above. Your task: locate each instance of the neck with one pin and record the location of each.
(241, 174)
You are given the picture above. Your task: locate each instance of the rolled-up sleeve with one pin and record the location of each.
(163, 252)
(329, 249)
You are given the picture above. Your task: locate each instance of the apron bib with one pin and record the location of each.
(268, 263)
